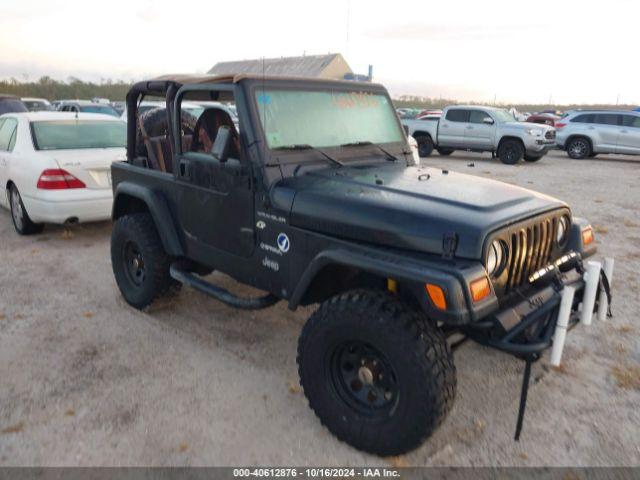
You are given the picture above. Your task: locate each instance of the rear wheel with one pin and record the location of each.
(532, 158)
(578, 148)
(378, 375)
(510, 151)
(139, 262)
(445, 151)
(425, 145)
(21, 221)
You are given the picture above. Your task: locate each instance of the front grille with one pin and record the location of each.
(531, 245)
(530, 249)
(550, 135)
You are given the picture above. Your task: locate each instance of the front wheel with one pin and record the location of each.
(510, 152)
(532, 158)
(378, 375)
(425, 145)
(21, 220)
(139, 262)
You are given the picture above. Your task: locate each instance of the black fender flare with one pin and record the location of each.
(159, 210)
(403, 270)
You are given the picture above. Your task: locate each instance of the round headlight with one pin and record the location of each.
(496, 257)
(563, 228)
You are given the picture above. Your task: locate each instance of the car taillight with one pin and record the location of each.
(560, 125)
(58, 179)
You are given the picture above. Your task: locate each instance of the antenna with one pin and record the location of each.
(346, 49)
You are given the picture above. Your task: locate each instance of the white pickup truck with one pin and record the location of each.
(481, 129)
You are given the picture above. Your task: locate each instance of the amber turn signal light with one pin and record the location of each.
(436, 294)
(587, 236)
(480, 289)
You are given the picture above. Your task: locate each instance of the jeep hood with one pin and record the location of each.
(407, 207)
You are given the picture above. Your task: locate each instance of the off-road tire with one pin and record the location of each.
(21, 220)
(532, 158)
(445, 152)
(425, 145)
(137, 233)
(510, 151)
(417, 352)
(578, 148)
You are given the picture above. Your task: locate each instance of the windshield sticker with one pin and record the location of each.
(283, 243)
(355, 100)
(264, 99)
(261, 225)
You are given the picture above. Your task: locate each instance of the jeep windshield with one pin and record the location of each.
(321, 119)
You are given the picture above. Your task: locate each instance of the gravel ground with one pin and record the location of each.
(87, 380)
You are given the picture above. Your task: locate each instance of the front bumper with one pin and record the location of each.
(527, 328)
(539, 146)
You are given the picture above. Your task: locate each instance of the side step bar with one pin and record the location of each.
(188, 278)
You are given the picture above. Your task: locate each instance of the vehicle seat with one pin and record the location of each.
(211, 120)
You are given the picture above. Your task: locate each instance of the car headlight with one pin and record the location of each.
(536, 132)
(563, 229)
(496, 258)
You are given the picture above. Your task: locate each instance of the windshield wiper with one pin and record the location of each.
(389, 155)
(305, 146)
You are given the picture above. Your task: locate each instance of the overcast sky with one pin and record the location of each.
(516, 51)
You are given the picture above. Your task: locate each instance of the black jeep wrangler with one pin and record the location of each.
(315, 197)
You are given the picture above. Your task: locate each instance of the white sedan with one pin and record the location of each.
(56, 167)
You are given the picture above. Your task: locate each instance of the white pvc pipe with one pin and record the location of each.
(591, 278)
(560, 334)
(603, 302)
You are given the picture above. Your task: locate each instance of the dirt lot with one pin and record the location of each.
(86, 380)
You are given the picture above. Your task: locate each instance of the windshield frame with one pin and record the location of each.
(256, 85)
(37, 148)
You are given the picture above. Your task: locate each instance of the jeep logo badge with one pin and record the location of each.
(283, 243)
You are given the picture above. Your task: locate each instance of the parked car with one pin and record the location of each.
(11, 103)
(584, 133)
(118, 107)
(543, 118)
(55, 167)
(37, 104)
(482, 129)
(317, 201)
(86, 106)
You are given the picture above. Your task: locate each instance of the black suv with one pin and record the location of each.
(317, 199)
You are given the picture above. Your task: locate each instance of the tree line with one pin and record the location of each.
(47, 87)
(73, 88)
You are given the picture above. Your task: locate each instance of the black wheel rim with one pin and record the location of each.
(133, 263)
(424, 149)
(510, 154)
(364, 379)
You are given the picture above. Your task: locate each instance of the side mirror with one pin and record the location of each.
(222, 144)
(487, 121)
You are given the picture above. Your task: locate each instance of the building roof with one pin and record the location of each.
(304, 66)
